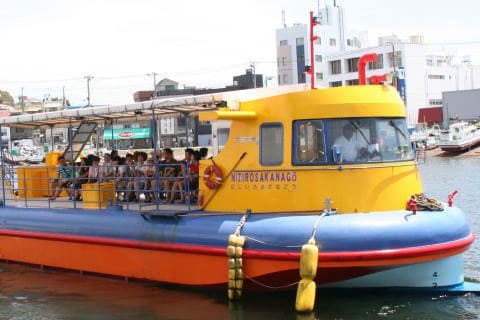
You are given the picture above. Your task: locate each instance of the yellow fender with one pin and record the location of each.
(306, 290)
(235, 263)
(309, 260)
(305, 296)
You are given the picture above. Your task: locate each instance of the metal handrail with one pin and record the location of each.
(36, 186)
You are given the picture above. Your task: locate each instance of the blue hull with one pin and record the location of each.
(335, 233)
(355, 249)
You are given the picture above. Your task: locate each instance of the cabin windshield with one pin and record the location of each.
(355, 140)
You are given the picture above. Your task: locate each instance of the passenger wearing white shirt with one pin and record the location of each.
(107, 170)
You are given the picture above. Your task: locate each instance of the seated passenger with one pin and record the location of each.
(179, 183)
(193, 170)
(81, 178)
(107, 170)
(119, 176)
(94, 170)
(63, 180)
(170, 171)
(203, 153)
(140, 173)
(151, 181)
(129, 178)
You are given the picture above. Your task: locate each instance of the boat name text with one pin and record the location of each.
(263, 180)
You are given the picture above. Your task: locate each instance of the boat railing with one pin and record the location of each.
(143, 187)
(421, 155)
(9, 176)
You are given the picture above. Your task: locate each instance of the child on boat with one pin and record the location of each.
(63, 180)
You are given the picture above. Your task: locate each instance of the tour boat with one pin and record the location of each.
(282, 187)
(460, 136)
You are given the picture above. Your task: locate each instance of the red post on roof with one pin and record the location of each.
(378, 79)
(362, 62)
(313, 22)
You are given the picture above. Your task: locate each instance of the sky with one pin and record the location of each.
(51, 45)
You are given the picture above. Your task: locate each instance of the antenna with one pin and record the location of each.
(283, 18)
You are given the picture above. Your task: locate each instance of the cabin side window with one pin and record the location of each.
(271, 144)
(308, 142)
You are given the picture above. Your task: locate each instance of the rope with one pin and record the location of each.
(271, 244)
(242, 222)
(270, 287)
(314, 231)
(426, 204)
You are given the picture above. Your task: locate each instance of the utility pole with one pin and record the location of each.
(22, 102)
(154, 75)
(43, 102)
(88, 89)
(254, 75)
(63, 97)
(159, 121)
(394, 80)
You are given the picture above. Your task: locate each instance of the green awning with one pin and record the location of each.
(123, 134)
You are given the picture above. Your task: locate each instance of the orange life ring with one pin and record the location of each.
(212, 181)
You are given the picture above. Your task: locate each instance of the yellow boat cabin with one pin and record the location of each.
(345, 149)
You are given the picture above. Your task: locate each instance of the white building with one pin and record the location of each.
(427, 73)
(293, 46)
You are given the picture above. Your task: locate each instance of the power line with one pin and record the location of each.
(75, 82)
(453, 43)
(194, 73)
(39, 81)
(118, 77)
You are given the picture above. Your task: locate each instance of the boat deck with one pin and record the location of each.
(29, 187)
(64, 203)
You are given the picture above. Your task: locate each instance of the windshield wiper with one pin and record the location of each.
(397, 128)
(359, 130)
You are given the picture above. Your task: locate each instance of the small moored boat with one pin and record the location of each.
(460, 136)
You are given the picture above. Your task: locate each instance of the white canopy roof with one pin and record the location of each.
(143, 111)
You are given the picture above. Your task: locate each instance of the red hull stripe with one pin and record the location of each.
(369, 255)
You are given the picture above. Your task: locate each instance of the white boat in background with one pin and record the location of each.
(418, 133)
(422, 137)
(23, 151)
(431, 143)
(460, 136)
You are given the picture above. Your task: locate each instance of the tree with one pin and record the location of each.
(6, 98)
